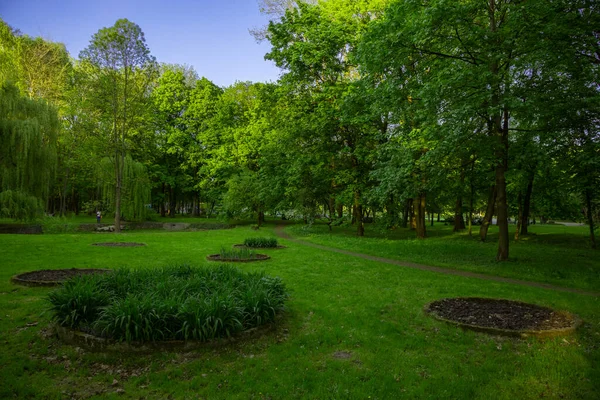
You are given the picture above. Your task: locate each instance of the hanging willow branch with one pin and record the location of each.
(135, 191)
(28, 135)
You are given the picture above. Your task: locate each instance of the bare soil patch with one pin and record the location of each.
(257, 257)
(501, 316)
(119, 244)
(53, 277)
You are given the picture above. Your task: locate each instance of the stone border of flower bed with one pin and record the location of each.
(217, 257)
(95, 343)
(18, 279)
(243, 246)
(524, 333)
(118, 244)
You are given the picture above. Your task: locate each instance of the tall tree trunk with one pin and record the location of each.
(519, 216)
(419, 211)
(502, 204)
(358, 215)
(459, 220)
(172, 202)
(163, 210)
(489, 213)
(590, 216)
(340, 210)
(406, 213)
(471, 195)
(527, 205)
(196, 204)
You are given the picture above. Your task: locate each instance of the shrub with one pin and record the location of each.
(260, 242)
(237, 254)
(178, 302)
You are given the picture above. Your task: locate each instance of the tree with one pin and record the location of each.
(467, 60)
(123, 67)
(28, 132)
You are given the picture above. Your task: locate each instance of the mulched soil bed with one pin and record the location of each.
(53, 277)
(119, 244)
(27, 229)
(243, 246)
(217, 257)
(503, 316)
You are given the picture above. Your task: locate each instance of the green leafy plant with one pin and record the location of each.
(179, 302)
(260, 242)
(237, 254)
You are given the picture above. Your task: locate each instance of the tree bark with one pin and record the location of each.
(419, 211)
(489, 214)
(527, 205)
(406, 212)
(163, 211)
(590, 216)
(459, 220)
(172, 202)
(358, 217)
(519, 216)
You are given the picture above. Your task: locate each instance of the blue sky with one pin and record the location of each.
(210, 35)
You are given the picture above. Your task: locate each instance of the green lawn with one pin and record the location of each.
(354, 328)
(553, 254)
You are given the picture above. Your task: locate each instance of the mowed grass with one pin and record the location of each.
(354, 329)
(554, 254)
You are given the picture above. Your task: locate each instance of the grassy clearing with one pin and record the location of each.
(355, 329)
(551, 253)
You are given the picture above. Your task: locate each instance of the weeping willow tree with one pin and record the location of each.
(135, 187)
(28, 135)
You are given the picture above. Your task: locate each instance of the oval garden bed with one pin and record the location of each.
(170, 307)
(237, 255)
(53, 277)
(503, 317)
(243, 246)
(259, 243)
(119, 244)
(219, 257)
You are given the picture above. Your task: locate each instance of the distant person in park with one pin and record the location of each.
(98, 216)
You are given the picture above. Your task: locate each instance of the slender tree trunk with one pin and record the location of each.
(519, 216)
(163, 211)
(459, 220)
(196, 204)
(471, 195)
(489, 214)
(172, 202)
(502, 204)
(438, 217)
(406, 213)
(590, 216)
(419, 210)
(358, 215)
(527, 205)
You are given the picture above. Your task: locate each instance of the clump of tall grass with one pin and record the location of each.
(260, 242)
(237, 254)
(172, 303)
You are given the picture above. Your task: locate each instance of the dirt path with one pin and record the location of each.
(279, 230)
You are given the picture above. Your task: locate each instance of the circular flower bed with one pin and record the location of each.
(237, 255)
(119, 244)
(53, 277)
(176, 303)
(243, 246)
(504, 317)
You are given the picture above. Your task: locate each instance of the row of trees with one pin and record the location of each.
(400, 108)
